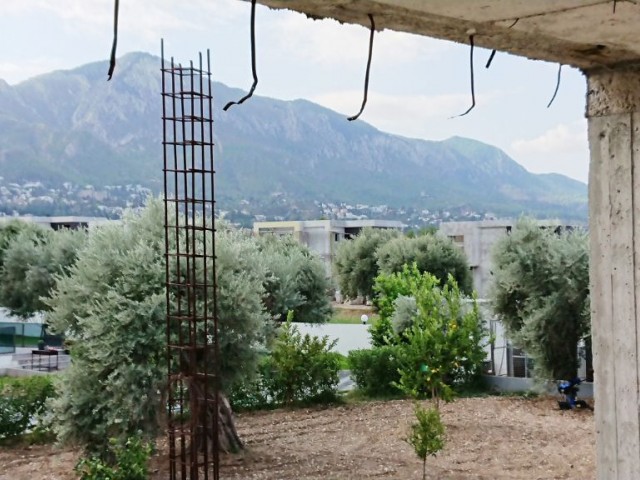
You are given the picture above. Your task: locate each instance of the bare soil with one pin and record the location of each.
(487, 438)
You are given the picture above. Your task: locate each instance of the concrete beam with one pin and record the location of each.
(581, 33)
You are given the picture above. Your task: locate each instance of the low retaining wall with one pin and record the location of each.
(515, 384)
(349, 336)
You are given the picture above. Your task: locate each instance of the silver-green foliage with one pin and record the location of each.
(31, 261)
(356, 263)
(295, 281)
(404, 313)
(430, 253)
(541, 294)
(112, 303)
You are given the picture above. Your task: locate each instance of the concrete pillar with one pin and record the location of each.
(613, 111)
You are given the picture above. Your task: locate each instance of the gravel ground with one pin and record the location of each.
(487, 438)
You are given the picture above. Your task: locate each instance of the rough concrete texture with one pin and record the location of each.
(612, 92)
(581, 33)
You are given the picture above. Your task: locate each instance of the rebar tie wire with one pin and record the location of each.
(253, 59)
(473, 88)
(112, 62)
(555, 92)
(493, 52)
(366, 76)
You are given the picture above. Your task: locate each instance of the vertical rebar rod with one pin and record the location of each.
(193, 351)
(216, 343)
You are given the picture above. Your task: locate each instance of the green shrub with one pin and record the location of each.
(22, 403)
(301, 369)
(427, 435)
(128, 461)
(375, 370)
(440, 332)
(381, 332)
(252, 394)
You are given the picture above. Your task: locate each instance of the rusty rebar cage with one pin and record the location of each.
(192, 324)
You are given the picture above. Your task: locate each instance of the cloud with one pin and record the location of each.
(328, 43)
(562, 138)
(416, 116)
(145, 18)
(563, 149)
(13, 72)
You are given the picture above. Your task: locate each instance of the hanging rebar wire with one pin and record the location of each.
(192, 322)
(473, 87)
(112, 61)
(493, 52)
(555, 92)
(253, 60)
(614, 6)
(368, 71)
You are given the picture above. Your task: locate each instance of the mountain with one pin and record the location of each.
(74, 126)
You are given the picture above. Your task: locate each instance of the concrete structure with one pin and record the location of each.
(56, 223)
(477, 240)
(601, 38)
(322, 236)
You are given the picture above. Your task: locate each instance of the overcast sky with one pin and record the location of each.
(416, 84)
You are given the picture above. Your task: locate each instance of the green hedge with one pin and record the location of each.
(22, 401)
(374, 370)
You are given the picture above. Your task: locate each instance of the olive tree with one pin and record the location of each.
(295, 281)
(356, 263)
(31, 261)
(10, 230)
(430, 253)
(540, 292)
(112, 304)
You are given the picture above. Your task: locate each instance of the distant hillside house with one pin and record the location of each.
(57, 223)
(322, 236)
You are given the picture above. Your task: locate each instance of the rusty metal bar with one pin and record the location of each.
(192, 324)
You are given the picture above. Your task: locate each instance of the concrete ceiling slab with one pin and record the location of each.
(582, 33)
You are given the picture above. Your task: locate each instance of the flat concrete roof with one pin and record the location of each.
(582, 33)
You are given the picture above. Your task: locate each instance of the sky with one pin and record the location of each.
(417, 83)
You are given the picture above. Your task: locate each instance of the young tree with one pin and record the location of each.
(112, 303)
(541, 294)
(444, 345)
(356, 262)
(440, 332)
(427, 435)
(431, 253)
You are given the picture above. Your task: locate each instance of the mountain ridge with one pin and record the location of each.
(72, 125)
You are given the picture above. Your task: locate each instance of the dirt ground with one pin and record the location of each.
(487, 438)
